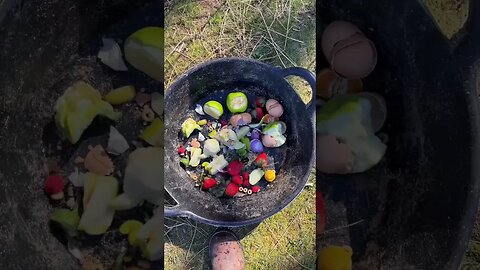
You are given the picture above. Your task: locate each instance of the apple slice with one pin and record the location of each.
(97, 215)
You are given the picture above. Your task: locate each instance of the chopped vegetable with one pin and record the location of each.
(261, 160)
(211, 147)
(189, 126)
(67, 219)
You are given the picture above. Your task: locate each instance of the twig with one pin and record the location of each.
(344, 227)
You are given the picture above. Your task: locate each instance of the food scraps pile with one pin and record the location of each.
(227, 155)
(114, 174)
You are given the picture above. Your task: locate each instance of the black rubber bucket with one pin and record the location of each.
(417, 208)
(295, 158)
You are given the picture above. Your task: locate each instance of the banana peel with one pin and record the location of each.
(77, 107)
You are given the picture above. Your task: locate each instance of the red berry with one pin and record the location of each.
(235, 167)
(209, 183)
(255, 189)
(259, 113)
(232, 189)
(181, 150)
(54, 184)
(246, 176)
(246, 183)
(223, 122)
(237, 179)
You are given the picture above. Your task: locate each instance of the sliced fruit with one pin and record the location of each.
(144, 50)
(97, 215)
(213, 108)
(237, 102)
(121, 95)
(154, 133)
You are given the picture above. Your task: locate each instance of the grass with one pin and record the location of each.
(278, 32)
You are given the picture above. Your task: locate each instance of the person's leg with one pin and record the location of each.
(226, 252)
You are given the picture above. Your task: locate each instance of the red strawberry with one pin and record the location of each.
(209, 183)
(54, 184)
(260, 102)
(181, 150)
(259, 113)
(237, 179)
(255, 189)
(321, 217)
(246, 183)
(261, 160)
(245, 176)
(235, 167)
(231, 189)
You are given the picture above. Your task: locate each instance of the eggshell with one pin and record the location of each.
(240, 119)
(378, 110)
(274, 108)
(333, 157)
(335, 32)
(354, 57)
(269, 141)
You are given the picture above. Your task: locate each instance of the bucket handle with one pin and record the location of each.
(175, 211)
(308, 76)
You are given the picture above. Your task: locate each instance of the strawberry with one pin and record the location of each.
(237, 179)
(246, 183)
(259, 102)
(231, 189)
(235, 167)
(261, 160)
(255, 189)
(181, 150)
(54, 184)
(321, 217)
(259, 113)
(209, 183)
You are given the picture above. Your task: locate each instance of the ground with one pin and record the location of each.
(279, 32)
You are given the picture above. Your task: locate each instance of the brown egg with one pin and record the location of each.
(335, 32)
(274, 108)
(378, 111)
(350, 54)
(330, 85)
(333, 157)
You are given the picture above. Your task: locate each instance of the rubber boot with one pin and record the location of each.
(226, 252)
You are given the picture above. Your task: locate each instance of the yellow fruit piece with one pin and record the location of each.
(121, 95)
(335, 258)
(213, 108)
(144, 50)
(270, 175)
(202, 122)
(130, 225)
(77, 107)
(153, 134)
